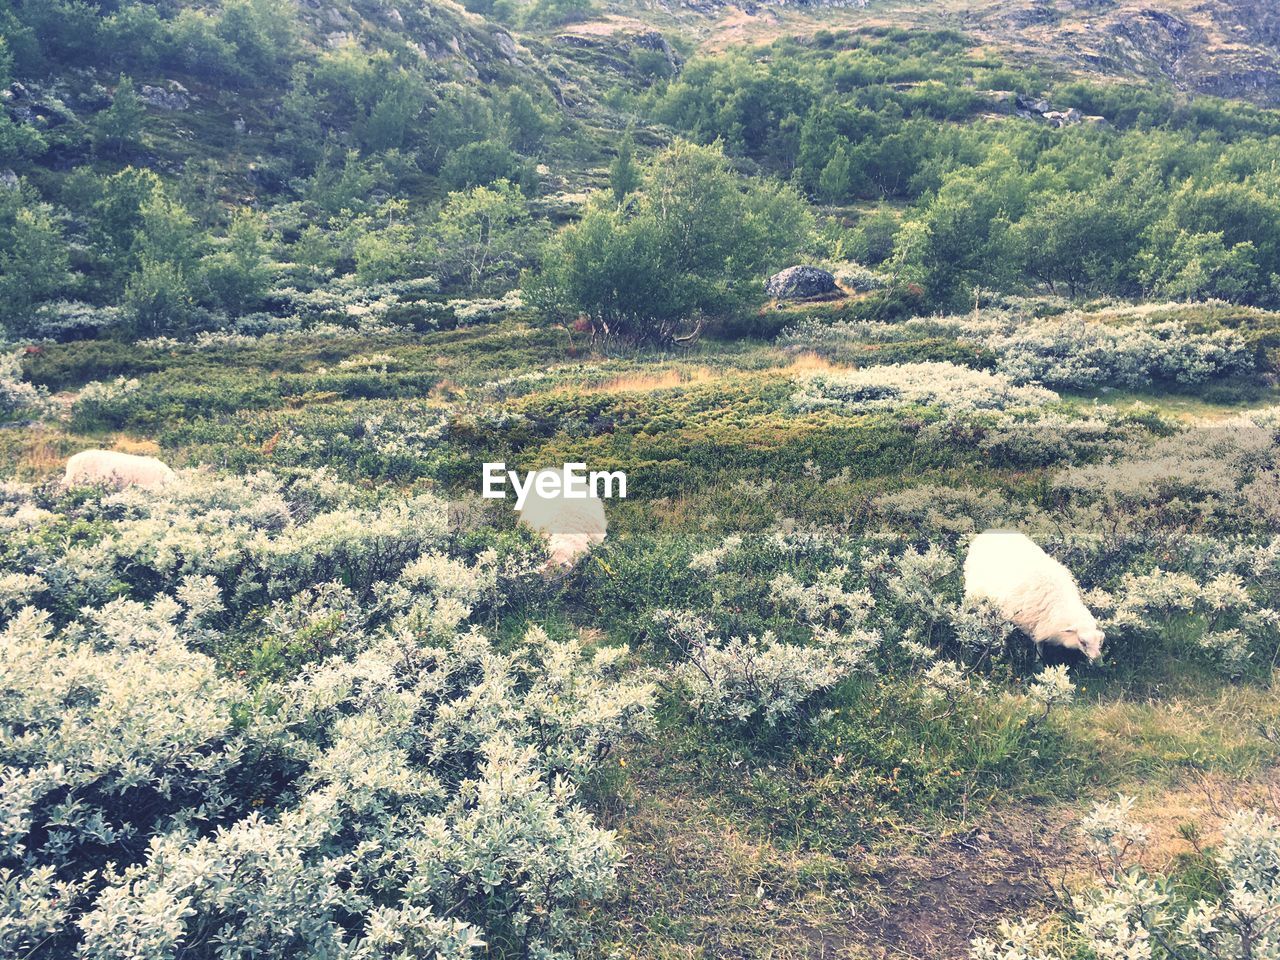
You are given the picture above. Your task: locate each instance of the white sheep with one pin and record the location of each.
(1032, 590)
(572, 526)
(115, 469)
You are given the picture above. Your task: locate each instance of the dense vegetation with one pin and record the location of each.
(318, 699)
(274, 166)
(362, 162)
(1164, 197)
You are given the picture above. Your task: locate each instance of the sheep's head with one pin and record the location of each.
(1067, 623)
(1083, 636)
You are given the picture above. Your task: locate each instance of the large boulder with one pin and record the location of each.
(171, 96)
(799, 283)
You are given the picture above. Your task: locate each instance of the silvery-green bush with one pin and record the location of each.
(259, 537)
(1136, 914)
(18, 396)
(1074, 351)
(392, 785)
(743, 681)
(412, 797)
(953, 389)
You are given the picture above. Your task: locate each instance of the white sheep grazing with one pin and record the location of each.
(572, 526)
(114, 469)
(1032, 590)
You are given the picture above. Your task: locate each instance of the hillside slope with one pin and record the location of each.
(1227, 48)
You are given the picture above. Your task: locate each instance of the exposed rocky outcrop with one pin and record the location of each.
(1038, 108)
(1227, 48)
(1038, 12)
(1002, 101)
(38, 105)
(800, 283)
(1155, 36)
(506, 46)
(463, 46)
(170, 96)
(615, 48)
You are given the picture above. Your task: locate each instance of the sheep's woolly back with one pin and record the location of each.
(1029, 587)
(572, 526)
(119, 470)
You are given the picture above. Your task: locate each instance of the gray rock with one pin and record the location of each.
(1002, 101)
(8, 180)
(172, 96)
(1063, 118)
(1039, 13)
(506, 46)
(798, 283)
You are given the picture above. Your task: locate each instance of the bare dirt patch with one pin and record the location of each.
(700, 884)
(937, 900)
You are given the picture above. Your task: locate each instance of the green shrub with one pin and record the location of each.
(696, 242)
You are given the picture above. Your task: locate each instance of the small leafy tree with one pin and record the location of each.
(1072, 240)
(554, 13)
(33, 258)
(694, 245)
(18, 141)
(1184, 265)
(117, 130)
(160, 294)
(836, 180)
(117, 225)
(461, 117)
(526, 124)
(368, 95)
(158, 299)
(168, 232)
(485, 162)
(384, 251)
(340, 184)
(624, 174)
(237, 274)
(482, 232)
(263, 33)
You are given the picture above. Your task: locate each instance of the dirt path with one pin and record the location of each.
(936, 901)
(697, 884)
